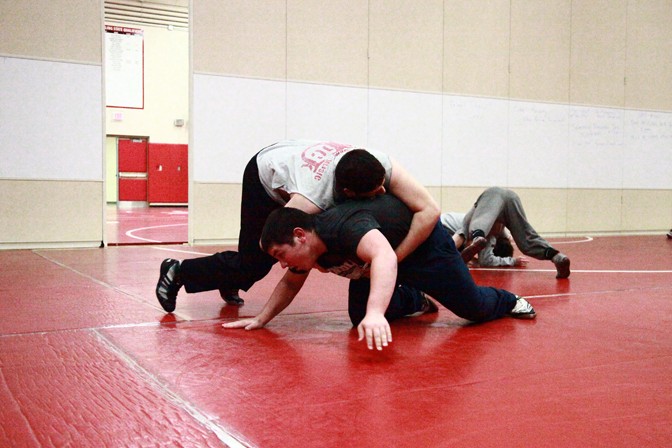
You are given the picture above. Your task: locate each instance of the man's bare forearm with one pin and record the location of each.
(283, 294)
(426, 211)
(383, 281)
(422, 225)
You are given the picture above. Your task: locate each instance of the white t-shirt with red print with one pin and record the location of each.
(306, 167)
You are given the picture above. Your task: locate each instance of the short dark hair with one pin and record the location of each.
(503, 248)
(280, 225)
(359, 171)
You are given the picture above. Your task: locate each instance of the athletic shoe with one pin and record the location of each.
(428, 307)
(477, 245)
(669, 234)
(169, 284)
(231, 297)
(561, 262)
(522, 310)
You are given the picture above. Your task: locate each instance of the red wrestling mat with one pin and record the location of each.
(88, 358)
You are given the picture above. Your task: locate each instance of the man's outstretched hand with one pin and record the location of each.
(377, 331)
(249, 324)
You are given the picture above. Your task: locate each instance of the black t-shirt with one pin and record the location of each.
(342, 227)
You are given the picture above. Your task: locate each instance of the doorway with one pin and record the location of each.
(146, 194)
(147, 108)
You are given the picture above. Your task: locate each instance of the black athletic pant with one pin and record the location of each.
(232, 270)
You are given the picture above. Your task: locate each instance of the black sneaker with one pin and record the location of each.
(231, 297)
(428, 307)
(522, 309)
(669, 234)
(169, 284)
(477, 245)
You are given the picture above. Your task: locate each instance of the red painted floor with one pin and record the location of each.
(89, 359)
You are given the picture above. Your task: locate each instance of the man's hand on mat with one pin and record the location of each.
(376, 329)
(249, 324)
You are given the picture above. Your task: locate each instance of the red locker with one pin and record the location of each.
(168, 174)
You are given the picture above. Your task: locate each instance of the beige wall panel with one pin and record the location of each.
(555, 212)
(459, 199)
(240, 37)
(546, 209)
(214, 213)
(540, 42)
(215, 210)
(42, 213)
(476, 54)
(327, 41)
(647, 210)
(406, 44)
(598, 52)
(594, 211)
(649, 55)
(64, 30)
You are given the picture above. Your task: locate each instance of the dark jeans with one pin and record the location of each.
(437, 269)
(232, 270)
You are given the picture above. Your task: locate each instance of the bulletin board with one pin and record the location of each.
(124, 67)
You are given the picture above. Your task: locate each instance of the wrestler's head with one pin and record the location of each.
(359, 175)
